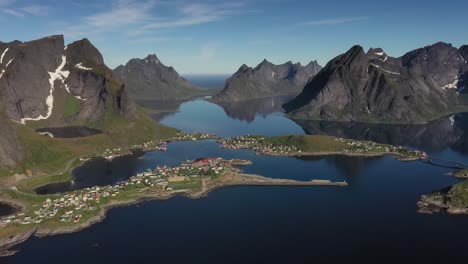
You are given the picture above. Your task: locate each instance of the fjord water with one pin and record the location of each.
(375, 215)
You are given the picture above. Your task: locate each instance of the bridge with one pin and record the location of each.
(455, 164)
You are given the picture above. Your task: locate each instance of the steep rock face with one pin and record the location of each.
(93, 83)
(11, 151)
(38, 76)
(374, 87)
(463, 82)
(266, 80)
(149, 78)
(24, 81)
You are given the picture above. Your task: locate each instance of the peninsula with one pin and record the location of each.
(73, 211)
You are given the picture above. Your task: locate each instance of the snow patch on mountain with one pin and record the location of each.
(3, 70)
(3, 55)
(58, 74)
(452, 85)
(81, 67)
(387, 71)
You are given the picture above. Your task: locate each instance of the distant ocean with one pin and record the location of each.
(207, 80)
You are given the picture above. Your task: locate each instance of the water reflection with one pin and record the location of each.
(99, 172)
(350, 166)
(249, 110)
(158, 110)
(436, 136)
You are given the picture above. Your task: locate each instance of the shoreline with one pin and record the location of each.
(228, 180)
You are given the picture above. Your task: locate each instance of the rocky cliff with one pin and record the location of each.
(44, 83)
(266, 80)
(374, 87)
(150, 79)
(44, 80)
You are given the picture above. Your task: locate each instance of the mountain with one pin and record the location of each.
(150, 79)
(266, 80)
(419, 86)
(11, 150)
(44, 84)
(44, 80)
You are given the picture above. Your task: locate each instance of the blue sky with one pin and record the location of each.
(219, 36)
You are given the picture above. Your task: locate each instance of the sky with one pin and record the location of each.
(217, 37)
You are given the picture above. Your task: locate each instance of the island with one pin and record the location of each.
(451, 200)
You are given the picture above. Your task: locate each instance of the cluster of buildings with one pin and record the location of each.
(258, 145)
(367, 146)
(158, 145)
(69, 207)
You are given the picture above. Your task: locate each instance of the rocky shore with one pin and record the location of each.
(451, 200)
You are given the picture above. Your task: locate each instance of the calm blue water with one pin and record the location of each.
(374, 216)
(203, 116)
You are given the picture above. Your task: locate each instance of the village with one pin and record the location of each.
(70, 207)
(267, 146)
(257, 144)
(159, 145)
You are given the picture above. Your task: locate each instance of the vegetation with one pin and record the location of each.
(454, 198)
(315, 143)
(460, 173)
(328, 144)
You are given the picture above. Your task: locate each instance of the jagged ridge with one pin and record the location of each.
(374, 87)
(266, 80)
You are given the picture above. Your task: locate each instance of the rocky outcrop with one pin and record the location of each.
(266, 80)
(374, 87)
(38, 76)
(451, 200)
(150, 79)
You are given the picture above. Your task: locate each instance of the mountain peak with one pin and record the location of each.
(376, 52)
(83, 50)
(243, 68)
(152, 58)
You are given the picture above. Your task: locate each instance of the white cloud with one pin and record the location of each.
(335, 21)
(143, 18)
(207, 52)
(124, 12)
(196, 14)
(24, 10)
(35, 9)
(13, 12)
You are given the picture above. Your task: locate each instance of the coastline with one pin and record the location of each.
(233, 178)
(228, 180)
